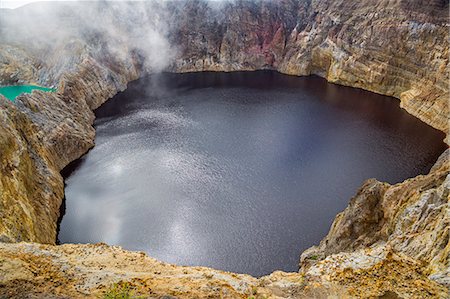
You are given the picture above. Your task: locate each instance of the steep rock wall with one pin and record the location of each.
(30, 184)
(41, 134)
(396, 48)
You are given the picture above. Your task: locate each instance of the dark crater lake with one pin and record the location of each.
(236, 171)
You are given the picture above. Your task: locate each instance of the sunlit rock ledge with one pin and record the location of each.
(391, 240)
(89, 271)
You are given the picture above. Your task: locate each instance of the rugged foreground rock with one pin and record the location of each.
(81, 271)
(412, 217)
(390, 241)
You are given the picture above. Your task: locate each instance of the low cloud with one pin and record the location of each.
(117, 26)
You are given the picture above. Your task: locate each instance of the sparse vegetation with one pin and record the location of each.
(120, 291)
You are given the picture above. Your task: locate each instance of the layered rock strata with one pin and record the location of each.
(396, 48)
(391, 240)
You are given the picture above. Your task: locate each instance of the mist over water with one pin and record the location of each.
(238, 171)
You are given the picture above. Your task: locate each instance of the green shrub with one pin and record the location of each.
(119, 291)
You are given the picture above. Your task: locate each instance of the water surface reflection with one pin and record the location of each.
(237, 171)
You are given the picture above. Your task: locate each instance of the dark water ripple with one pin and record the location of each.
(237, 171)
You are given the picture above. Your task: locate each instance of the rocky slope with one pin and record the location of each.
(89, 271)
(390, 240)
(412, 217)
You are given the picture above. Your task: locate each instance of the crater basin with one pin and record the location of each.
(236, 171)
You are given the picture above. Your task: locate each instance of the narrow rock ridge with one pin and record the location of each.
(390, 240)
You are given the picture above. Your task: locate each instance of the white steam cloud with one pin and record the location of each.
(109, 29)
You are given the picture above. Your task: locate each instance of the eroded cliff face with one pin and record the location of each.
(41, 134)
(390, 240)
(30, 184)
(396, 48)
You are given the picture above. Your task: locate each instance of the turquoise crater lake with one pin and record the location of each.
(12, 92)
